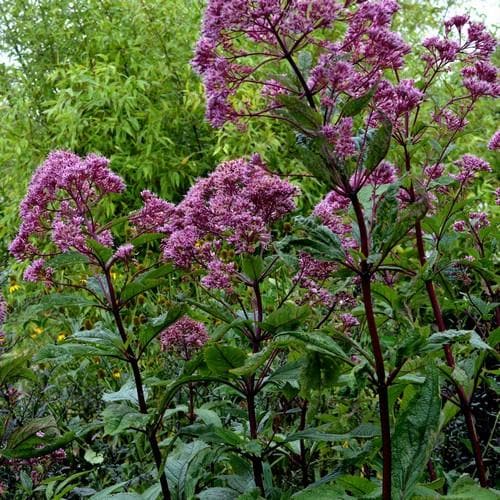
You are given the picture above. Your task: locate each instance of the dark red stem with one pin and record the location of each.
(136, 371)
(377, 350)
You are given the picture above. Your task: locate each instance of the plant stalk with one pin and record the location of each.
(136, 371)
(382, 391)
(450, 361)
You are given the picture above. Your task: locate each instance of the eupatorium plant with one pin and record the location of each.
(332, 71)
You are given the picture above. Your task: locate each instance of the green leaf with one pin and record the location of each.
(363, 431)
(318, 342)
(64, 352)
(465, 487)
(127, 392)
(377, 146)
(179, 467)
(119, 418)
(64, 300)
(287, 317)
(299, 112)
(319, 241)
(67, 259)
(437, 340)
(222, 359)
(104, 253)
(146, 281)
(253, 363)
(13, 365)
(252, 266)
(92, 457)
(414, 436)
(354, 106)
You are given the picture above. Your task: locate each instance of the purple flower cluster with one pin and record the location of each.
(394, 101)
(477, 44)
(241, 39)
(230, 210)
(184, 337)
(469, 165)
(494, 143)
(58, 204)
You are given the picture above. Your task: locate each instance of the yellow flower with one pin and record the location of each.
(13, 288)
(61, 337)
(37, 330)
(116, 374)
(114, 275)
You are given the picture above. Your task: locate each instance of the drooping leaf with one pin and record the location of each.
(121, 417)
(414, 435)
(377, 146)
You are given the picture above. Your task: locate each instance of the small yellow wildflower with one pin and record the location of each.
(14, 288)
(116, 374)
(114, 275)
(61, 337)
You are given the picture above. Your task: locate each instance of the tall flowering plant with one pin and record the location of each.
(332, 71)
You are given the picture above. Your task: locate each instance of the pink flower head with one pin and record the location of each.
(58, 205)
(459, 226)
(456, 21)
(481, 79)
(153, 216)
(494, 143)
(497, 196)
(124, 252)
(479, 220)
(233, 208)
(432, 172)
(38, 271)
(184, 337)
(242, 39)
(393, 101)
(450, 120)
(348, 321)
(385, 173)
(3, 309)
(469, 165)
(340, 137)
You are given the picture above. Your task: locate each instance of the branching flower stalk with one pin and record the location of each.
(58, 212)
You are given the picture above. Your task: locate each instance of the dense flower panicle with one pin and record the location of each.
(331, 210)
(153, 215)
(393, 101)
(236, 33)
(38, 271)
(348, 321)
(435, 171)
(459, 226)
(481, 79)
(184, 337)
(497, 196)
(124, 252)
(450, 120)
(234, 207)
(340, 137)
(469, 165)
(3, 309)
(60, 196)
(479, 220)
(494, 143)
(385, 173)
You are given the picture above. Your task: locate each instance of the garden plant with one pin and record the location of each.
(317, 318)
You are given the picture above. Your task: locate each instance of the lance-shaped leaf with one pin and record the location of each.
(318, 241)
(354, 106)
(414, 436)
(377, 146)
